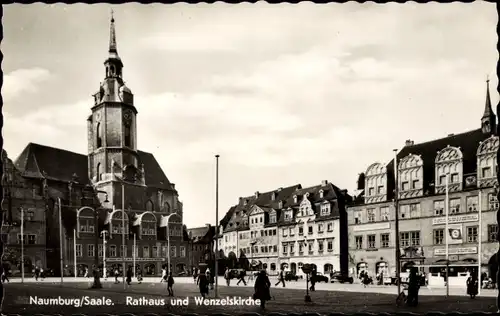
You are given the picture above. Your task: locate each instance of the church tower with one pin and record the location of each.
(112, 126)
(489, 120)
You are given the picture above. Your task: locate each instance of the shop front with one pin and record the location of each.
(148, 266)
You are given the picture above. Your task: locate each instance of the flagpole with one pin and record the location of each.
(479, 248)
(396, 222)
(22, 245)
(447, 236)
(134, 253)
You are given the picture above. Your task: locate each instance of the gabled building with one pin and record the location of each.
(201, 240)
(469, 161)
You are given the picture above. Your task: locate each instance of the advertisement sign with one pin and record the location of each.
(456, 219)
(128, 259)
(455, 234)
(455, 251)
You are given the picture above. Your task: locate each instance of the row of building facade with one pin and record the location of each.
(289, 227)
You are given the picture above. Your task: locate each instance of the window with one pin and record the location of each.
(173, 251)
(288, 215)
(371, 241)
(454, 178)
(272, 218)
(310, 246)
(292, 231)
(384, 214)
(472, 234)
(454, 206)
(405, 186)
(330, 246)
(301, 248)
(438, 236)
(320, 228)
(415, 210)
(310, 230)
(292, 248)
(145, 251)
(384, 240)
(359, 242)
(492, 232)
(357, 217)
(182, 250)
(325, 209)
(492, 202)
(260, 219)
(380, 189)
(99, 250)
(123, 250)
(486, 172)
(79, 252)
(112, 251)
(321, 246)
(275, 248)
(301, 231)
(438, 208)
(371, 215)
(28, 239)
(155, 253)
(127, 136)
(409, 239)
(472, 202)
(416, 184)
(371, 191)
(90, 251)
(99, 136)
(285, 248)
(404, 211)
(285, 232)
(330, 227)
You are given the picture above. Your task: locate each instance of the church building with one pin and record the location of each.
(139, 214)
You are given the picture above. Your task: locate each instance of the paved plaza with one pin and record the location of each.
(355, 299)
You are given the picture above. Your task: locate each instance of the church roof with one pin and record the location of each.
(39, 161)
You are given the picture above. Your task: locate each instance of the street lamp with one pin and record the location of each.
(216, 272)
(97, 282)
(167, 221)
(103, 233)
(29, 215)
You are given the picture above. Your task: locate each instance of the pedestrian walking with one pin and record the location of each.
(163, 275)
(241, 278)
(413, 287)
(262, 288)
(116, 276)
(129, 276)
(195, 274)
(211, 279)
(281, 278)
(202, 282)
(227, 276)
(313, 280)
(86, 275)
(42, 274)
(170, 284)
(37, 273)
(472, 285)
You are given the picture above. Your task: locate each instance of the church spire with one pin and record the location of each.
(489, 120)
(113, 63)
(112, 37)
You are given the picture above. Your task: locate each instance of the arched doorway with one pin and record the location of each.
(264, 266)
(150, 269)
(180, 267)
(362, 266)
(273, 266)
(327, 268)
(382, 267)
(293, 267)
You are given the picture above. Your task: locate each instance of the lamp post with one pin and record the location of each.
(30, 215)
(97, 282)
(167, 221)
(216, 274)
(396, 222)
(104, 232)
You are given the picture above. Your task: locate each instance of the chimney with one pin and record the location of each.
(409, 142)
(324, 182)
(279, 189)
(257, 194)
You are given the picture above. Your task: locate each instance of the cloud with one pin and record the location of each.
(22, 81)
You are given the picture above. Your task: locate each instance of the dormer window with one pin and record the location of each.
(288, 215)
(245, 202)
(295, 199)
(321, 193)
(280, 204)
(273, 196)
(325, 209)
(272, 218)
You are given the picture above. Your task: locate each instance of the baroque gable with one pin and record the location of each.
(486, 162)
(410, 176)
(376, 183)
(449, 163)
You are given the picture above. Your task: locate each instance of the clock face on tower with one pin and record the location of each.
(127, 116)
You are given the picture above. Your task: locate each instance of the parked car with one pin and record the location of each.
(319, 277)
(341, 278)
(290, 276)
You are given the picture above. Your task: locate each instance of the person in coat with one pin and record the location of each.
(472, 285)
(413, 287)
(163, 275)
(129, 276)
(202, 282)
(241, 278)
(313, 280)
(227, 276)
(262, 288)
(170, 284)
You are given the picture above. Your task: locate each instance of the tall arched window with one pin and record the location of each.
(99, 135)
(167, 207)
(98, 172)
(149, 206)
(127, 138)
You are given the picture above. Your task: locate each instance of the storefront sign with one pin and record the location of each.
(456, 219)
(128, 259)
(368, 227)
(455, 251)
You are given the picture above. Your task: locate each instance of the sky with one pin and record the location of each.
(285, 94)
